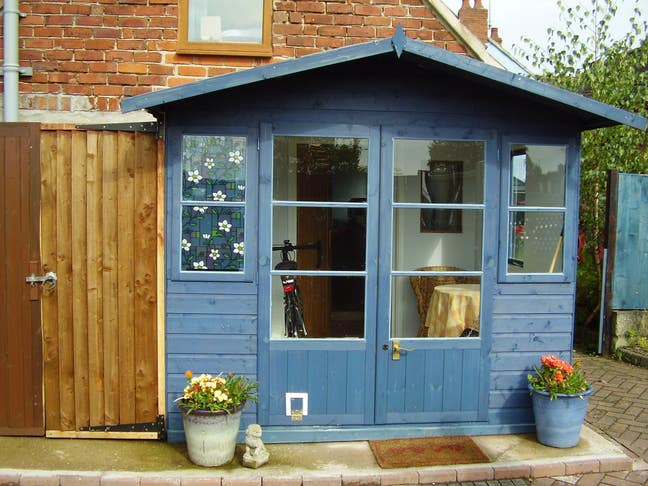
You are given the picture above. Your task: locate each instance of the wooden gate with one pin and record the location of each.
(102, 231)
(21, 381)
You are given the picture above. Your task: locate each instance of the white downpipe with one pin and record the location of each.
(10, 66)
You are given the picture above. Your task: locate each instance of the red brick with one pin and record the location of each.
(56, 54)
(33, 20)
(332, 31)
(89, 56)
(59, 20)
(420, 12)
(319, 7)
(75, 67)
(329, 42)
(127, 79)
(368, 10)
(76, 9)
(94, 78)
(108, 91)
(377, 21)
(285, 6)
(77, 89)
(288, 29)
(197, 71)
(120, 56)
(89, 20)
(148, 57)
(395, 11)
(310, 29)
(361, 32)
(131, 68)
(152, 80)
(347, 20)
(100, 44)
(106, 33)
(300, 41)
(341, 8)
(160, 69)
(102, 67)
(318, 19)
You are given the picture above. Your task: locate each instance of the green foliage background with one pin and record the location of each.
(582, 56)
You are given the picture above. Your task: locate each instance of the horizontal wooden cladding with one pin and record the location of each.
(99, 216)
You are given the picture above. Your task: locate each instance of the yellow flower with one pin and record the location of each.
(188, 374)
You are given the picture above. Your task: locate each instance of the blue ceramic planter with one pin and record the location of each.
(559, 421)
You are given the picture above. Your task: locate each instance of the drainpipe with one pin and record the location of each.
(10, 66)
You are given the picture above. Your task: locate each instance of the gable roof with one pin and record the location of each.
(593, 113)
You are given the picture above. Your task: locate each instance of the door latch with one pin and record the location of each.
(48, 281)
(396, 350)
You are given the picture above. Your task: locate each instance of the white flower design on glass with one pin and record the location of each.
(206, 236)
(194, 176)
(209, 162)
(241, 187)
(214, 254)
(224, 226)
(219, 196)
(236, 157)
(185, 245)
(199, 265)
(200, 209)
(239, 248)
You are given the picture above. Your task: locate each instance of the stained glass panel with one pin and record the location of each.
(213, 168)
(213, 182)
(213, 238)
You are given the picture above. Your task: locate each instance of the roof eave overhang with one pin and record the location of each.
(596, 113)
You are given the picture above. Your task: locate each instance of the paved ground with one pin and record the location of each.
(618, 410)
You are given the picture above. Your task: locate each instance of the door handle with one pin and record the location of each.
(396, 350)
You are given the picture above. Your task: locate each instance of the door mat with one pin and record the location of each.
(426, 451)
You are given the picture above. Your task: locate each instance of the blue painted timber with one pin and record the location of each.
(629, 283)
(444, 386)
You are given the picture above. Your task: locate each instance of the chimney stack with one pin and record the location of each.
(475, 18)
(495, 35)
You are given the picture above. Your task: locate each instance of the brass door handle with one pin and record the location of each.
(396, 350)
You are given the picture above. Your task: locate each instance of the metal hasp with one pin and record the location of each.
(157, 426)
(48, 281)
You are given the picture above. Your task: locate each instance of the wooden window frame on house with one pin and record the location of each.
(186, 46)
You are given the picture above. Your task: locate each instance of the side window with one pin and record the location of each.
(537, 210)
(225, 27)
(214, 173)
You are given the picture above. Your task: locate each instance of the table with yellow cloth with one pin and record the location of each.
(452, 309)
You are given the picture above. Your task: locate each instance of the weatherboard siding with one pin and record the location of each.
(208, 330)
(529, 320)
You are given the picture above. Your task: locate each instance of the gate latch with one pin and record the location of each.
(48, 281)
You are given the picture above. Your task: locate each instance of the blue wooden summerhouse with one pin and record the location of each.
(436, 199)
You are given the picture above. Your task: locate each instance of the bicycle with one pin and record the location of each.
(294, 325)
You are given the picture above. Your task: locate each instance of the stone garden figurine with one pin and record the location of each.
(256, 454)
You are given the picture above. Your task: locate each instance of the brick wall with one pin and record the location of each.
(88, 55)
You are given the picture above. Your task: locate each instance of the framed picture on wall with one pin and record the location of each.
(441, 184)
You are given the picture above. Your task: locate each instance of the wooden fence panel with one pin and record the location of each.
(100, 235)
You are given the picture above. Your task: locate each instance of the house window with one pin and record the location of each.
(225, 27)
(537, 209)
(213, 203)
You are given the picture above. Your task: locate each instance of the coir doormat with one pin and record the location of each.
(426, 451)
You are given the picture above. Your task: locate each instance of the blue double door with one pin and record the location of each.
(391, 225)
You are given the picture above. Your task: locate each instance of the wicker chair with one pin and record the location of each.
(423, 287)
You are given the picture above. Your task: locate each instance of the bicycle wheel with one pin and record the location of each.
(299, 313)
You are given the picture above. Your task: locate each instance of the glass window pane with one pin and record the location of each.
(225, 21)
(434, 306)
(320, 169)
(336, 237)
(438, 171)
(535, 242)
(213, 168)
(538, 175)
(416, 246)
(212, 238)
(331, 307)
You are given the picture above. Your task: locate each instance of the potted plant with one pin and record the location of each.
(560, 395)
(211, 409)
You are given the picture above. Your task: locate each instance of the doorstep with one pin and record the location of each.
(38, 461)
